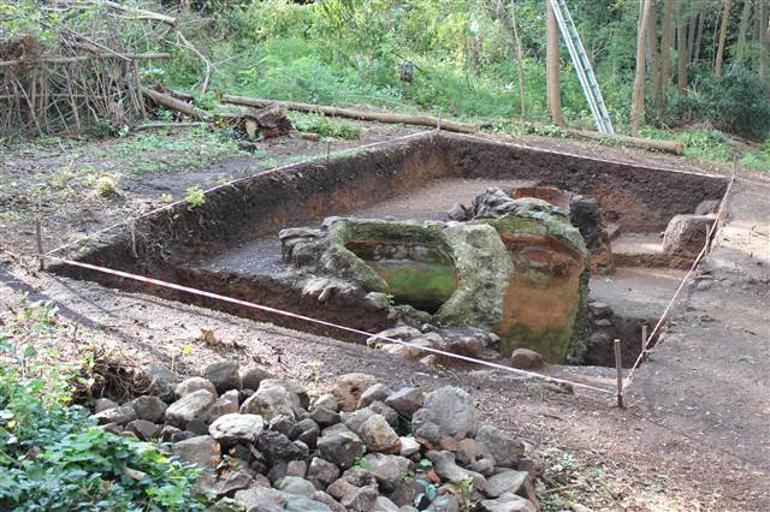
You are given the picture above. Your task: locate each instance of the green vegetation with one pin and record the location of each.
(325, 126)
(196, 197)
(52, 456)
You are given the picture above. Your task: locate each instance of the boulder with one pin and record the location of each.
(406, 401)
(192, 407)
(526, 359)
(685, 237)
(324, 416)
(118, 415)
(223, 375)
(150, 408)
(516, 482)
(353, 420)
(270, 400)
(330, 502)
(386, 412)
(322, 472)
(261, 499)
(251, 376)
(201, 450)
(295, 485)
(454, 411)
(409, 446)
(162, 381)
(237, 428)
(276, 447)
(508, 502)
(225, 404)
(389, 470)
(299, 503)
(506, 451)
(193, 384)
(383, 504)
(378, 435)
(296, 468)
(102, 404)
(378, 392)
(327, 400)
(342, 448)
(144, 429)
(447, 469)
(306, 431)
(349, 388)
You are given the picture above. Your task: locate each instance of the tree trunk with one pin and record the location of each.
(665, 52)
(691, 36)
(504, 12)
(763, 29)
(681, 49)
(637, 97)
(552, 68)
(722, 38)
(698, 38)
(653, 56)
(743, 28)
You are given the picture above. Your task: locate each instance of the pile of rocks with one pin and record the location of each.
(264, 445)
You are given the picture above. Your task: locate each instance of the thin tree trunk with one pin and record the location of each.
(637, 96)
(691, 36)
(698, 38)
(552, 68)
(743, 28)
(653, 56)
(504, 12)
(665, 51)
(722, 38)
(681, 49)
(763, 29)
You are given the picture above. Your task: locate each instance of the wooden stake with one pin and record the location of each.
(328, 149)
(619, 368)
(39, 240)
(644, 341)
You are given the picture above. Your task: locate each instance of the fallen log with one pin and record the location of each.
(675, 147)
(81, 58)
(170, 124)
(363, 115)
(175, 104)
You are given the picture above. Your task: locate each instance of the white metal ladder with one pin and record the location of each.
(585, 71)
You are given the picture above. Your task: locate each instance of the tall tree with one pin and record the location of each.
(637, 95)
(681, 49)
(503, 11)
(722, 38)
(665, 50)
(743, 28)
(653, 56)
(552, 67)
(763, 29)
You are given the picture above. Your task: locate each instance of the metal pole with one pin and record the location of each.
(619, 369)
(39, 241)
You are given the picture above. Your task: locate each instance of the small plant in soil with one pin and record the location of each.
(195, 197)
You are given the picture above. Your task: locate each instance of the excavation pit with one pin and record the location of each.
(230, 244)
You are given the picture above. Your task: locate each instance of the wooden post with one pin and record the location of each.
(328, 149)
(644, 341)
(39, 241)
(619, 368)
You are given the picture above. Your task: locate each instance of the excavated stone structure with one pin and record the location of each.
(516, 267)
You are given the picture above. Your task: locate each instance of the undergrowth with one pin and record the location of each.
(53, 457)
(324, 126)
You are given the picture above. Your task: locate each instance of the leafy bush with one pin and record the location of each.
(736, 103)
(53, 457)
(324, 126)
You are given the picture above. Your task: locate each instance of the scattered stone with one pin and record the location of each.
(406, 401)
(354, 420)
(261, 499)
(342, 448)
(387, 469)
(322, 472)
(296, 468)
(277, 447)
(113, 428)
(144, 429)
(507, 451)
(349, 388)
(684, 238)
(508, 502)
(194, 384)
(227, 505)
(526, 359)
(454, 412)
(446, 468)
(119, 415)
(270, 400)
(200, 450)
(390, 415)
(103, 404)
(237, 428)
(306, 431)
(358, 476)
(324, 416)
(299, 503)
(227, 403)
(192, 407)
(378, 435)
(360, 499)
(162, 381)
(327, 400)
(378, 392)
(409, 446)
(327, 500)
(383, 504)
(223, 375)
(507, 481)
(295, 485)
(251, 376)
(150, 408)
(232, 482)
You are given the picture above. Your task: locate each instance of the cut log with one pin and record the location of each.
(363, 115)
(675, 147)
(162, 124)
(175, 104)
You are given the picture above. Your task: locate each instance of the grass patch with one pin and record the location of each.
(326, 127)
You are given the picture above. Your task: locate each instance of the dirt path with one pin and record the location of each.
(695, 435)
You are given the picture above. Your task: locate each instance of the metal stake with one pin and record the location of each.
(619, 369)
(39, 241)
